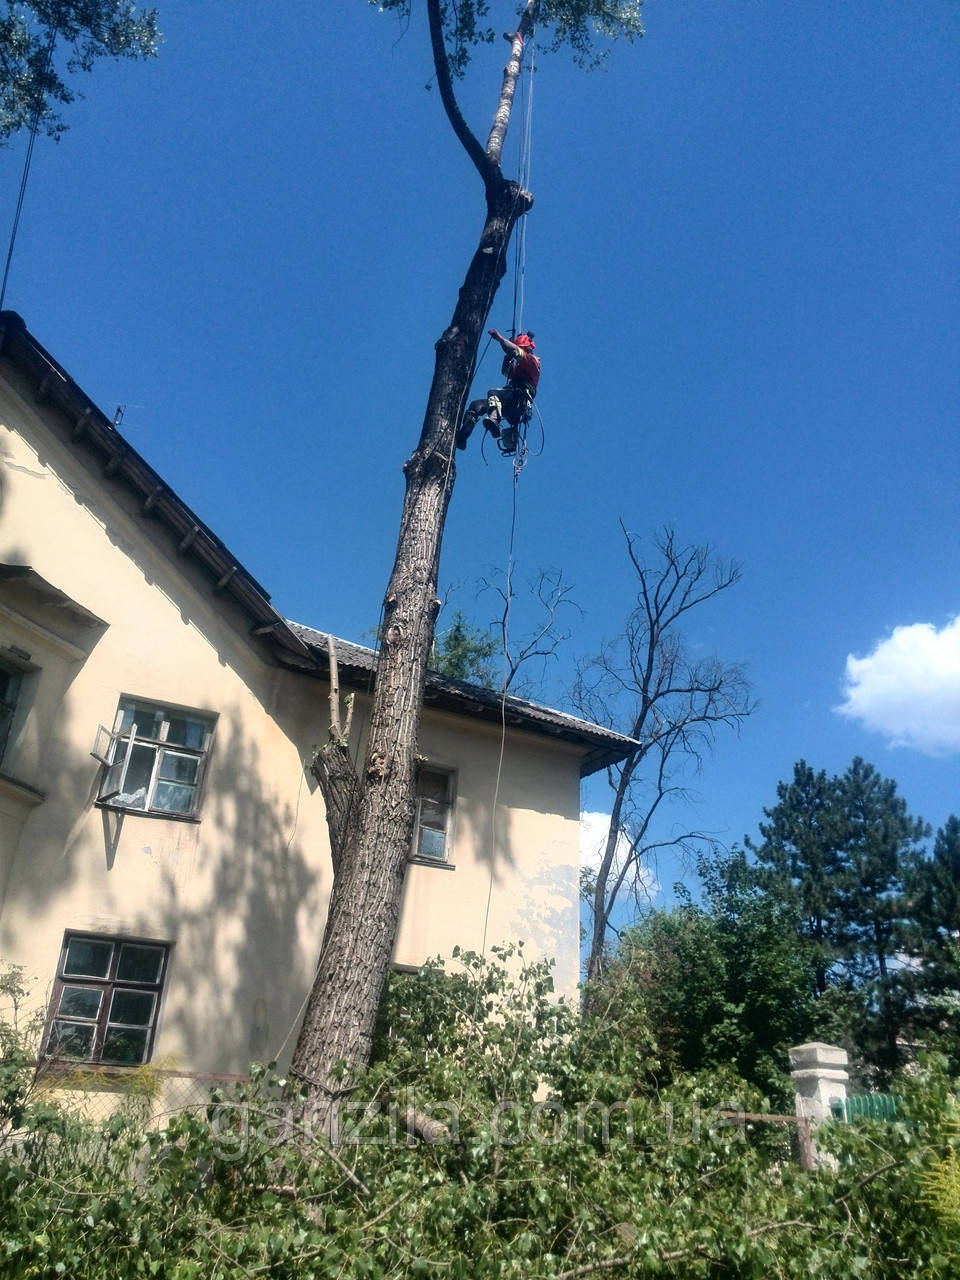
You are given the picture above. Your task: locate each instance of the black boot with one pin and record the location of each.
(466, 427)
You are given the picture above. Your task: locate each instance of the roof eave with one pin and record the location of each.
(91, 432)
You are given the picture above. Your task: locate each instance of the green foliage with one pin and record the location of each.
(577, 25)
(845, 852)
(726, 984)
(563, 1158)
(34, 32)
(463, 651)
(929, 988)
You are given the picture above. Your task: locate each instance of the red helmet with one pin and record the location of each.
(525, 340)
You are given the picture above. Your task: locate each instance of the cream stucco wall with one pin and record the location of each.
(241, 894)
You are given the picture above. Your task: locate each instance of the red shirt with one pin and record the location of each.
(525, 368)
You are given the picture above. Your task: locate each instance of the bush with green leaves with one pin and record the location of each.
(561, 1159)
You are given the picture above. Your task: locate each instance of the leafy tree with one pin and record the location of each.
(648, 686)
(33, 32)
(728, 984)
(370, 810)
(464, 651)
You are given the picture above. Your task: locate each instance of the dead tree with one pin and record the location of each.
(648, 686)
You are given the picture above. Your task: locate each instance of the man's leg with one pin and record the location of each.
(470, 421)
(514, 407)
(494, 411)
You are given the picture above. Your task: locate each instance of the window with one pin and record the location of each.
(434, 827)
(10, 679)
(105, 999)
(154, 758)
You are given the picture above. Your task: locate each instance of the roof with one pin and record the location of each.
(357, 664)
(88, 431)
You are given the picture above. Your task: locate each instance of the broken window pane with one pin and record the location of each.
(71, 1040)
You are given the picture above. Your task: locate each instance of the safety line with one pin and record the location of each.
(505, 629)
(520, 248)
(518, 298)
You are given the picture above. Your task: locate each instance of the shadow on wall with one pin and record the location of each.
(548, 917)
(247, 946)
(42, 753)
(238, 893)
(166, 570)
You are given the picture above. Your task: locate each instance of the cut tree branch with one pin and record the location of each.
(333, 768)
(511, 74)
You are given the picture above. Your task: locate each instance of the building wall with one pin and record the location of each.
(242, 893)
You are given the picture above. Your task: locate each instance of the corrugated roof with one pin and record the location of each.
(357, 663)
(91, 434)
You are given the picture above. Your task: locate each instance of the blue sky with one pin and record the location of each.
(742, 270)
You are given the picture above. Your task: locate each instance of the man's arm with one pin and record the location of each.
(510, 348)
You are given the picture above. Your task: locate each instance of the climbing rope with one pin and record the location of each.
(523, 179)
(505, 631)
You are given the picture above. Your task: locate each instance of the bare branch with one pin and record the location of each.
(553, 594)
(671, 704)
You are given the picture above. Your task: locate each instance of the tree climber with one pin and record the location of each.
(512, 402)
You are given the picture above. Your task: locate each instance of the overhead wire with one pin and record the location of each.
(26, 169)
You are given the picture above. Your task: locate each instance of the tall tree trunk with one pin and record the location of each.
(371, 843)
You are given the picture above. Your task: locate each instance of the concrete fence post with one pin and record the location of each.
(820, 1076)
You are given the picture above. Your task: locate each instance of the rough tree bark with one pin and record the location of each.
(370, 816)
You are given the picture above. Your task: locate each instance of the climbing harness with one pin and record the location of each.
(515, 445)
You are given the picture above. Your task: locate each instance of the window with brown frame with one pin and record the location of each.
(433, 833)
(105, 999)
(154, 758)
(10, 678)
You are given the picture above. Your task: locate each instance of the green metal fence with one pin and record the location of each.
(867, 1106)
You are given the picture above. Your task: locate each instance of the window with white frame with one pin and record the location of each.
(105, 999)
(154, 758)
(434, 828)
(10, 678)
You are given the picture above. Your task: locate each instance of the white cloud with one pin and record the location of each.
(908, 688)
(593, 840)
